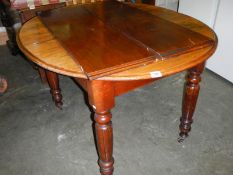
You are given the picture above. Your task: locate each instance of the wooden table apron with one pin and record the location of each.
(37, 43)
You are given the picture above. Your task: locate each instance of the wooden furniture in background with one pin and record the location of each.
(12, 17)
(15, 13)
(103, 23)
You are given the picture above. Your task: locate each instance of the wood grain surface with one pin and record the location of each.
(109, 37)
(54, 57)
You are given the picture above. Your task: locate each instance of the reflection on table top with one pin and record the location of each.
(42, 48)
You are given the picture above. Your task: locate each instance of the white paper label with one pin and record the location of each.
(155, 74)
(31, 7)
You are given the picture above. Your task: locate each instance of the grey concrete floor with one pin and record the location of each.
(36, 138)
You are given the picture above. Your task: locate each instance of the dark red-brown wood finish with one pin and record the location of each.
(100, 35)
(106, 69)
(191, 92)
(102, 101)
(55, 90)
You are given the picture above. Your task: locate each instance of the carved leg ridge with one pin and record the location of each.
(55, 90)
(191, 92)
(185, 125)
(57, 97)
(106, 168)
(104, 136)
(101, 98)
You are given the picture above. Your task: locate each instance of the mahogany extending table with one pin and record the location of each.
(111, 48)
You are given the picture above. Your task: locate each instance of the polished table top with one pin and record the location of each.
(48, 51)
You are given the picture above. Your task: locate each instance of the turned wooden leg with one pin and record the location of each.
(54, 88)
(104, 140)
(101, 99)
(191, 92)
(43, 76)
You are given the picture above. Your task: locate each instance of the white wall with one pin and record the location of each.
(170, 4)
(222, 60)
(204, 10)
(218, 14)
